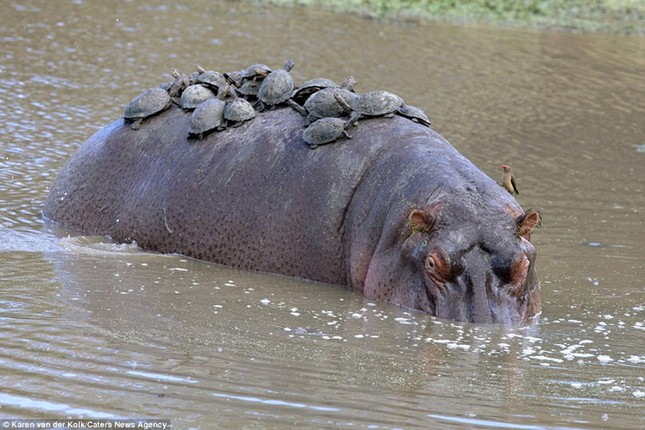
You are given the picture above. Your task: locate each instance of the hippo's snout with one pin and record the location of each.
(475, 266)
(492, 289)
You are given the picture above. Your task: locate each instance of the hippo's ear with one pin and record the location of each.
(527, 222)
(422, 221)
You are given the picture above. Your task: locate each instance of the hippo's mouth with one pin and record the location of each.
(490, 301)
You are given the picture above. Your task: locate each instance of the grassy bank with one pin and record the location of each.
(623, 16)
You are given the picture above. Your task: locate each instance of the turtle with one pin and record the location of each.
(255, 71)
(238, 110)
(210, 78)
(192, 78)
(277, 87)
(325, 130)
(179, 84)
(324, 103)
(250, 88)
(150, 102)
(226, 93)
(376, 103)
(234, 78)
(372, 104)
(302, 93)
(414, 114)
(194, 95)
(206, 118)
(349, 83)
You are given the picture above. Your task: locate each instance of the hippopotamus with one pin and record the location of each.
(395, 212)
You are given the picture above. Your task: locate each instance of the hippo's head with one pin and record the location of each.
(459, 261)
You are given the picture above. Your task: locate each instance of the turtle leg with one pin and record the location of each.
(343, 104)
(295, 106)
(353, 120)
(136, 124)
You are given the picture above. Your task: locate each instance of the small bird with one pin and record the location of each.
(508, 180)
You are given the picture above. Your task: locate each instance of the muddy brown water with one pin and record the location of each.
(89, 329)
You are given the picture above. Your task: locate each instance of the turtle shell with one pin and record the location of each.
(194, 95)
(234, 77)
(150, 102)
(302, 93)
(211, 78)
(414, 113)
(324, 130)
(376, 103)
(256, 70)
(276, 88)
(192, 78)
(323, 103)
(238, 111)
(250, 88)
(207, 117)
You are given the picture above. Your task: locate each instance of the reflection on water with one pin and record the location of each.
(92, 329)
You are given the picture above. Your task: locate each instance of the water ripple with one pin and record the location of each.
(22, 403)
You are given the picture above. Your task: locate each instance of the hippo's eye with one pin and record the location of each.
(438, 263)
(502, 270)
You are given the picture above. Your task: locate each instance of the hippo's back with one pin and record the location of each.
(253, 197)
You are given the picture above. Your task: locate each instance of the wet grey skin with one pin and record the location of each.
(396, 213)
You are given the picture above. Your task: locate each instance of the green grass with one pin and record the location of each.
(624, 16)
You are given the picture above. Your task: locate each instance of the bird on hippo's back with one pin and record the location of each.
(508, 180)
